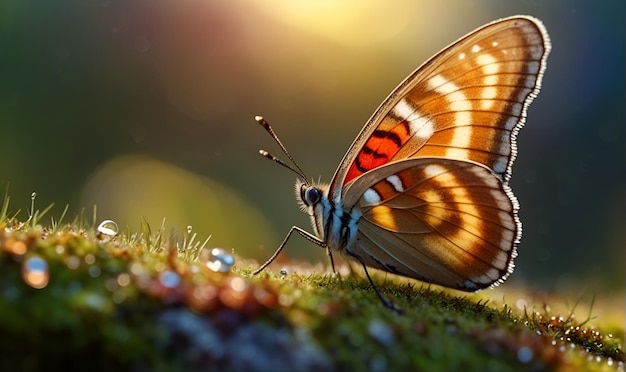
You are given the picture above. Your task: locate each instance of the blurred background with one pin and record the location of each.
(146, 109)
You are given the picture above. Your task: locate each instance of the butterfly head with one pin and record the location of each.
(313, 200)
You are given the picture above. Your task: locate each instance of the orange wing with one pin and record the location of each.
(466, 103)
(442, 221)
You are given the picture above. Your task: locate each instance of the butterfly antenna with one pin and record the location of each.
(268, 128)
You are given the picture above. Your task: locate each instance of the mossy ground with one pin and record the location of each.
(143, 301)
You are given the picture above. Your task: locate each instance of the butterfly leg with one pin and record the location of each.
(305, 234)
(332, 261)
(388, 303)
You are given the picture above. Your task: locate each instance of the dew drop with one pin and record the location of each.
(107, 230)
(285, 300)
(206, 292)
(189, 229)
(525, 354)
(169, 279)
(111, 284)
(90, 259)
(283, 272)
(123, 279)
(521, 303)
(33, 196)
(238, 284)
(381, 332)
(94, 271)
(137, 269)
(217, 259)
(73, 262)
(35, 272)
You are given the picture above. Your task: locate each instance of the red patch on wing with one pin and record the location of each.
(379, 148)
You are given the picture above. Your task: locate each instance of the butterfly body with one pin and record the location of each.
(423, 190)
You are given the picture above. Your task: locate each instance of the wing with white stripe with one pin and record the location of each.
(443, 221)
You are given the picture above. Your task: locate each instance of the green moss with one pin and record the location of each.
(135, 301)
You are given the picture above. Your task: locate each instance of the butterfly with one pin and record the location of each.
(423, 190)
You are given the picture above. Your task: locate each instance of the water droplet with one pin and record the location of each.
(381, 332)
(217, 259)
(107, 230)
(111, 284)
(123, 279)
(90, 259)
(35, 272)
(94, 271)
(238, 284)
(73, 262)
(283, 272)
(525, 354)
(189, 229)
(33, 196)
(205, 292)
(285, 300)
(137, 269)
(169, 279)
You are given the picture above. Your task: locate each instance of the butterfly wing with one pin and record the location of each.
(437, 220)
(466, 103)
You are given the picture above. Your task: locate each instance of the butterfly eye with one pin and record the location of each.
(310, 195)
